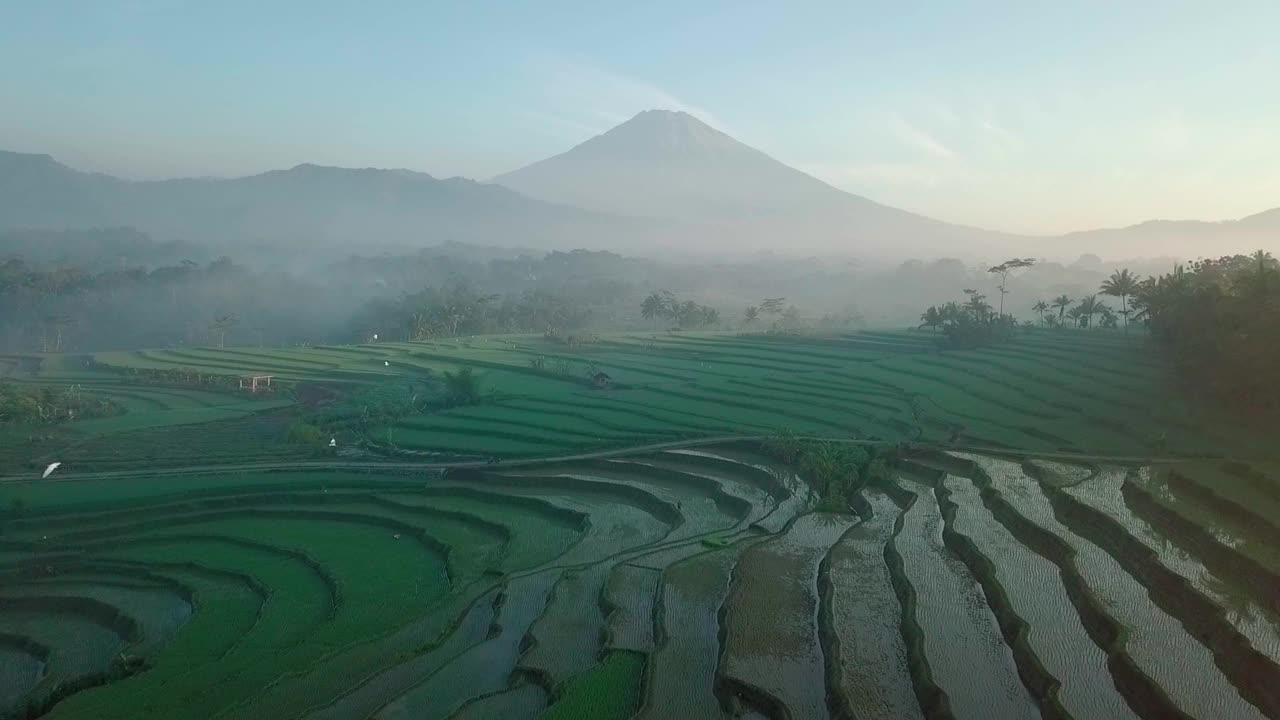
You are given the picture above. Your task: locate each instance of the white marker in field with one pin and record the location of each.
(49, 470)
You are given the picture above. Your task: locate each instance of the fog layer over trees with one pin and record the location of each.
(69, 291)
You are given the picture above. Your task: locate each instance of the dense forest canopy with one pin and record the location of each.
(1220, 322)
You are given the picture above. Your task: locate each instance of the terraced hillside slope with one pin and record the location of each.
(1082, 392)
(1059, 536)
(662, 584)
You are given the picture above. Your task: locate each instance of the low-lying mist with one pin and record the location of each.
(118, 289)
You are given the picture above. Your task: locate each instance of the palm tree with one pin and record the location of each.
(977, 305)
(1076, 315)
(670, 306)
(710, 316)
(1040, 307)
(1062, 302)
(653, 308)
(1153, 296)
(786, 445)
(686, 313)
(1089, 306)
(751, 314)
(932, 318)
(1266, 268)
(1121, 284)
(951, 312)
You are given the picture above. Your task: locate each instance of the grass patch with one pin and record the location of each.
(610, 691)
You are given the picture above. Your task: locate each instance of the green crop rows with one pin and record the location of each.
(643, 586)
(1050, 392)
(183, 565)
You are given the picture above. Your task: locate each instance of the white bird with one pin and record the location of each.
(333, 442)
(375, 336)
(386, 363)
(49, 470)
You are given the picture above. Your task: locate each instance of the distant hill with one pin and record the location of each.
(95, 249)
(308, 206)
(1188, 239)
(662, 180)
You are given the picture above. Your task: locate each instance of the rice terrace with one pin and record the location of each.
(637, 525)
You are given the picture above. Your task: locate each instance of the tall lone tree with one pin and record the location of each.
(772, 306)
(1003, 270)
(58, 324)
(1121, 284)
(221, 326)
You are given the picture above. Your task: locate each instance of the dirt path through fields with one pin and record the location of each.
(67, 474)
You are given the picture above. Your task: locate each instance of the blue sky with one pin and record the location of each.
(1028, 116)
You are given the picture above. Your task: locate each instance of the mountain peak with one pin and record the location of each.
(656, 130)
(668, 164)
(661, 112)
(662, 115)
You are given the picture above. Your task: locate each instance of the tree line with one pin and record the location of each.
(1219, 321)
(108, 297)
(71, 308)
(1122, 284)
(975, 321)
(685, 314)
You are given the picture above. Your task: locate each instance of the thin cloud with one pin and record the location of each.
(608, 95)
(918, 139)
(943, 112)
(610, 117)
(567, 126)
(999, 136)
(885, 174)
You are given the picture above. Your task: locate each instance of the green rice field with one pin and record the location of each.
(1042, 392)
(1061, 536)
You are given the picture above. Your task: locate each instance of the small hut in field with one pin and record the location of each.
(256, 383)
